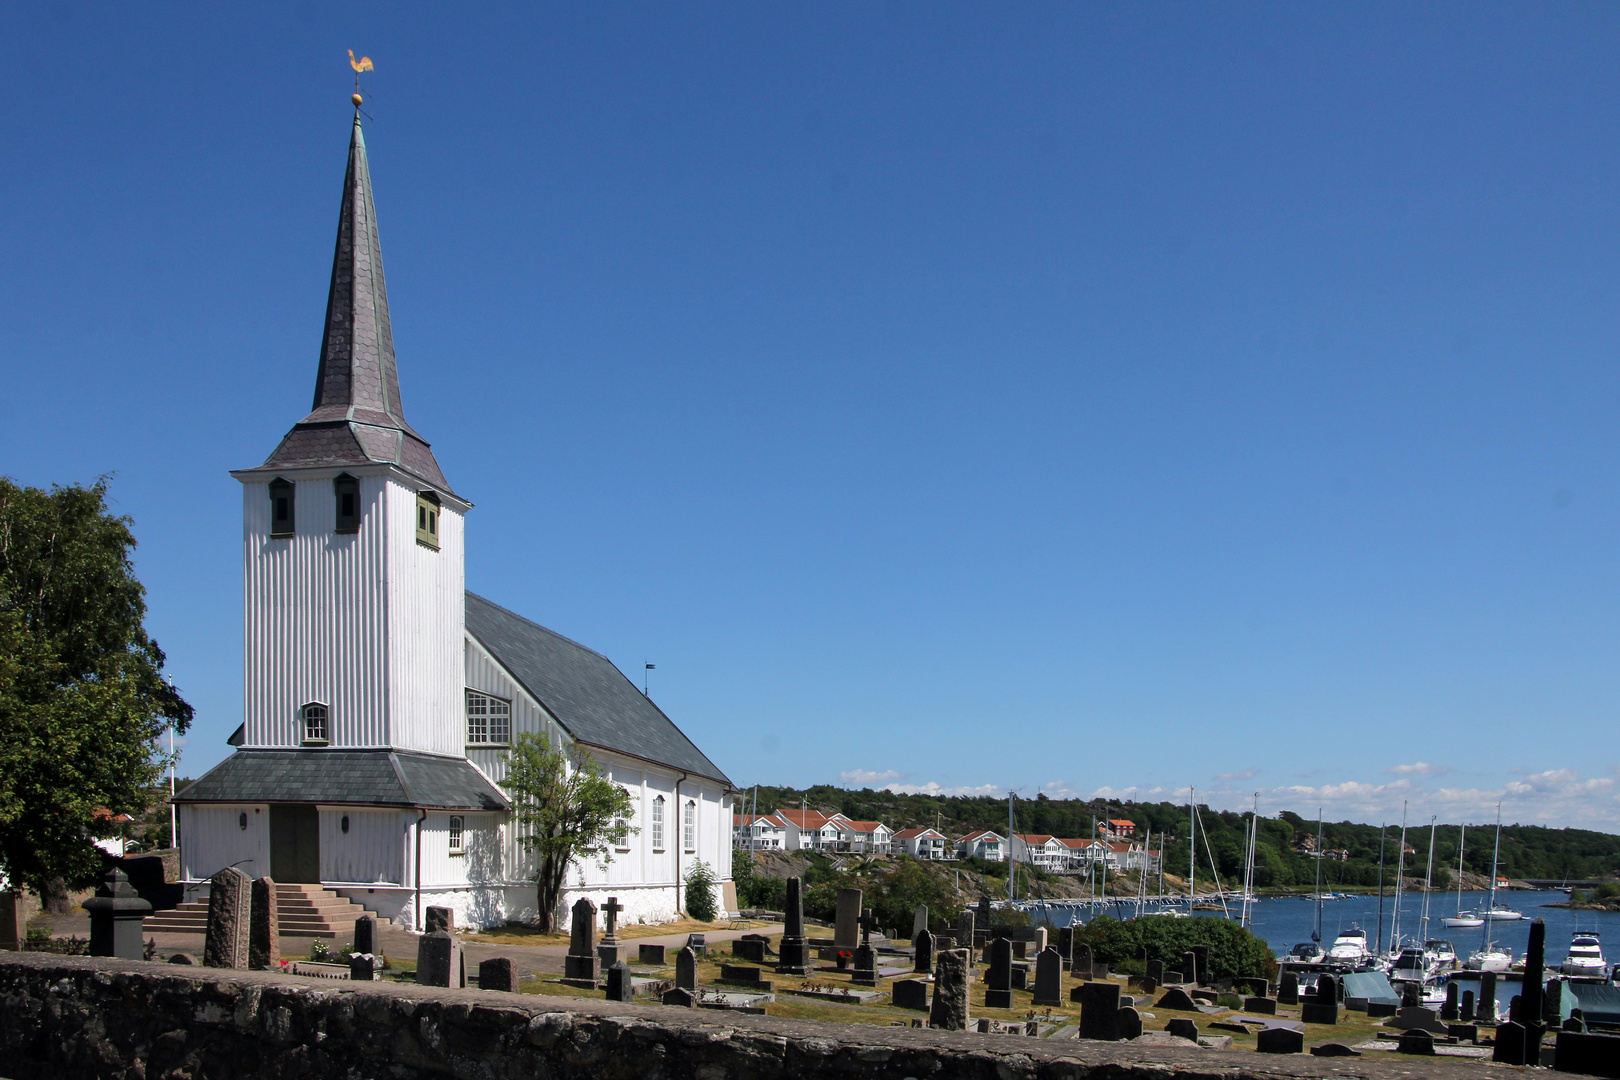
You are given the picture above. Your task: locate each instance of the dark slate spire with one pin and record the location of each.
(357, 418)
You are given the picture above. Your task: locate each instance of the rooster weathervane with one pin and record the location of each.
(362, 64)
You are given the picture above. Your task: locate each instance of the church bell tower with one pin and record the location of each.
(353, 575)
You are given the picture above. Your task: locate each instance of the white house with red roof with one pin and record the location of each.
(1046, 852)
(924, 843)
(811, 830)
(760, 832)
(983, 844)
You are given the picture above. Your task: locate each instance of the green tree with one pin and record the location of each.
(82, 698)
(700, 892)
(562, 814)
(1233, 951)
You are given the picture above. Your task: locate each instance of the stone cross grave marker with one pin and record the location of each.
(949, 1009)
(998, 981)
(1048, 979)
(922, 947)
(230, 900)
(867, 924)
(608, 950)
(582, 963)
(846, 924)
(264, 941)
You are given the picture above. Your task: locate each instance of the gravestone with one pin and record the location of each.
(1201, 952)
(1262, 1005)
(1379, 1009)
(264, 940)
(964, 930)
(1039, 942)
(438, 959)
(1465, 1011)
(1065, 945)
(1251, 987)
(365, 934)
(651, 955)
(116, 914)
(922, 950)
(1510, 1045)
(1173, 998)
(1485, 1007)
(1020, 976)
(1590, 1053)
(846, 924)
(582, 963)
(619, 985)
(363, 967)
(1155, 971)
(1288, 989)
(1323, 1008)
(751, 949)
(1048, 979)
(1190, 971)
(911, 994)
(1334, 1050)
(1552, 1003)
(982, 916)
(1128, 1023)
(230, 904)
(998, 981)
(439, 918)
(1451, 1009)
(1411, 995)
(1142, 983)
(686, 999)
(949, 1009)
(498, 974)
(865, 966)
(1182, 1028)
(13, 920)
(1415, 1041)
(1081, 965)
(919, 920)
(686, 969)
(795, 947)
(1463, 1032)
(609, 950)
(1099, 1010)
(1279, 1040)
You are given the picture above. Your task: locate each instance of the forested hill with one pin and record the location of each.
(1528, 851)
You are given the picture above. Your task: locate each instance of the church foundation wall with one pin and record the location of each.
(82, 1018)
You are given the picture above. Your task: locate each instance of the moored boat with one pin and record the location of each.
(1585, 956)
(1350, 947)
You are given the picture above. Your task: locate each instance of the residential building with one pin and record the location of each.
(983, 844)
(761, 832)
(924, 843)
(1039, 849)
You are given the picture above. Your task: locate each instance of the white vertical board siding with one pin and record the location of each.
(627, 865)
(373, 850)
(426, 629)
(212, 838)
(315, 615)
(481, 863)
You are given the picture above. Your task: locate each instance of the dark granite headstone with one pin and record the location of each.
(117, 912)
(911, 994)
(1573, 1022)
(865, 966)
(686, 969)
(1280, 1040)
(1099, 1010)
(13, 920)
(922, 953)
(795, 947)
(949, 1009)
(1317, 1012)
(1597, 1055)
(1065, 944)
(1190, 971)
(365, 934)
(1462, 1032)
(1552, 1002)
(1080, 965)
(1510, 1044)
(678, 996)
(751, 950)
(438, 959)
(1334, 1050)
(230, 903)
(651, 955)
(619, 984)
(1263, 1005)
(1048, 979)
(1020, 974)
(1128, 1022)
(363, 967)
(1202, 954)
(1379, 1009)
(498, 974)
(964, 931)
(846, 923)
(1288, 989)
(1415, 1041)
(1155, 971)
(439, 918)
(1182, 1028)
(1174, 997)
(998, 980)
(1465, 1011)
(581, 963)
(264, 941)
(983, 914)
(1485, 1006)
(1451, 1009)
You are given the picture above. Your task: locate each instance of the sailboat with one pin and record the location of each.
(1491, 958)
(1462, 918)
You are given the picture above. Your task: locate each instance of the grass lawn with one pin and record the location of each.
(526, 935)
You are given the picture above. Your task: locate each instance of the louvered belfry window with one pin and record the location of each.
(282, 506)
(427, 519)
(346, 495)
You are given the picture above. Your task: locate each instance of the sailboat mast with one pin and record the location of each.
(1192, 845)
(1381, 827)
(1462, 838)
(1012, 865)
(1490, 923)
(1428, 880)
(1400, 881)
(1316, 935)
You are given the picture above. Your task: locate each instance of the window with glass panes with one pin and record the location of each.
(489, 720)
(689, 826)
(658, 824)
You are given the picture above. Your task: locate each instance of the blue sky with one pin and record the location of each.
(1058, 397)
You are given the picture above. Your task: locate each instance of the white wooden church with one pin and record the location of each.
(380, 694)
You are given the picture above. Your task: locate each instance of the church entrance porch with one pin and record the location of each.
(295, 844)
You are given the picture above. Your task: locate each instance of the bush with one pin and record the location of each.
(1233, 951)
(700, 892)
(1607, 891)
(755, 890)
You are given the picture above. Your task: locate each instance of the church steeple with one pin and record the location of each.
(357, 417)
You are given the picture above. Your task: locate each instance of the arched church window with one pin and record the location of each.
(457, 836)
(346, 494)
(315, 728)
(427, 519)
(489, 720)
(282, 505)
(689, 826)
(658, 824)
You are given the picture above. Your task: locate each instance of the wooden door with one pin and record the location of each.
(295, 844)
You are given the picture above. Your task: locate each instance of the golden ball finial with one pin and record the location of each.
(356, 99)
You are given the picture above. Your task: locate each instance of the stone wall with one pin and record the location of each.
(78, 1018)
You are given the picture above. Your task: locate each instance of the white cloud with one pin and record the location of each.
(933, 788)
(865, 777)
(1241, 774)
(1417, 768)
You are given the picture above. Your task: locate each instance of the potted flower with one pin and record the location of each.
(843, 959)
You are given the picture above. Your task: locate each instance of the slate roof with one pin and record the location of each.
(357, 417)
(592, 699)
(358, 777)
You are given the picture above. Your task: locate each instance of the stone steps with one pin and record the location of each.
(302, 910)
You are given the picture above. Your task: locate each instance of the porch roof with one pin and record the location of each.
(349, 777)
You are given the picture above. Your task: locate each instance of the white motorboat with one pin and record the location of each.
(1464, 919)
(1306, 952)
(1412, 965)
(1442, 953)
(1498, 913)
(1350, 947)
(1585, 956)
(1490, 958)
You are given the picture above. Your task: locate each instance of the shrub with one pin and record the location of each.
(1607, 891)
(320, 952)
(700, 892)
(1233, 951)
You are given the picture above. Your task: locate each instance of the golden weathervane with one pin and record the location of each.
(362, 64)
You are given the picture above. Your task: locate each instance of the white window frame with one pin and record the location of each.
(489, 719)
(657, 819)
(689, 827)
(622, 847)
(316, 720)
(456, 834)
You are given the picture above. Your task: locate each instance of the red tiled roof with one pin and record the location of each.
(980, 835)
(907, 834)
(1033, 839)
